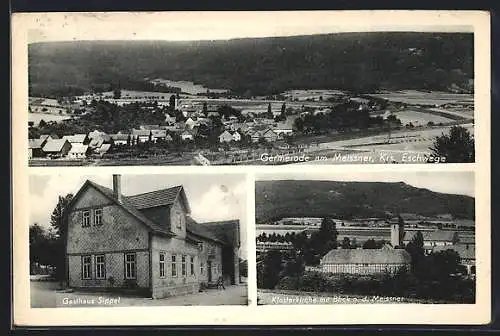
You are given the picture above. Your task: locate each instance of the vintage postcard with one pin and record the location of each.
(251, 168)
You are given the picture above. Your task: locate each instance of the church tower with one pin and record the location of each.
(397, 232)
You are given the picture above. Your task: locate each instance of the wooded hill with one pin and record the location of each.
(287, 198)
(361, 62)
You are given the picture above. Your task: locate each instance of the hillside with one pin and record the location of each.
(277, 199)
(255, 66)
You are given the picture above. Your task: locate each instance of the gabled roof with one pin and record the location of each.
(464, 251)
(78, 148)
(225, 134)
(438, 235)
(163, 197)
(119, 136)
(367, 256)
(140, 132)
(54, 145)
(35, 143)
(158, 133)
(76, 138)
(126, 205)
(200, 230)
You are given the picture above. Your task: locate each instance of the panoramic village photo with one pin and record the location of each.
(137, 240)
(332, 98)
(337, 238)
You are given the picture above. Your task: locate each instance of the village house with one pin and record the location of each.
(158, 134)
(169, 120)
(434, 238)
(103, 149)
(147, 242)
(120, 138)
(236, 136)
(77, 139)
(282, 129)
(56, 148)
(190, 123)
(78, 151)
(225, 137)
(187, 135)
(141, 135)
(46, 137)
(467, 254)
(267, 134)
(35, 148)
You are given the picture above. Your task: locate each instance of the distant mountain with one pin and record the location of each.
(254, 66)
(294, 198)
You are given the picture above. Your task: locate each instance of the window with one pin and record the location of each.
(100, 267)
(183, 265)
(202, 267)
(178, 219)
(130, 265)
(174, 266)
(162, 265)
(86, 218)
(86, 267)
(97, 217)
(192, 265)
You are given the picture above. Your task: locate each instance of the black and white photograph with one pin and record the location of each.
(366, 238)
(137, 240)
(205, 168)
(197, 94)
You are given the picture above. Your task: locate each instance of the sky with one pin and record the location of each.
(184, 26)
(211, 198)
(449, 182)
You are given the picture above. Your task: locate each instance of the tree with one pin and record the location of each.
(346, 243)
(457, 146)
(269, 113)
(283, 110)
(268, 273)
(416, 250)
(117, 93)
(370, 244)
(39, 244)
(205, 109)
(172, 102)
(59, 224)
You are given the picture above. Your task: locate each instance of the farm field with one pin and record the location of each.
(186, 86)
(426, 98)
(37, 117)
(418, 118)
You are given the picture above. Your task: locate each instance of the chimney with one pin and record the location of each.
(117, 188)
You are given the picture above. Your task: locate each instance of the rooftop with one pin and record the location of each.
(367, 256)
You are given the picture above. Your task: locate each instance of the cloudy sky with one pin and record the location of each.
(211, 197)
(449, 182)
(180, 26)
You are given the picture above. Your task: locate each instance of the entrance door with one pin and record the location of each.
(209, 269)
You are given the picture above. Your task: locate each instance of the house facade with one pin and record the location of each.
(146, 242)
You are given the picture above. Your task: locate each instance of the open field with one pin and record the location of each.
(186, 86)
(414, 97)
(418, 118)
(37, 117)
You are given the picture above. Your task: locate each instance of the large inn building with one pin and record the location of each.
(147, 242)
